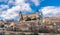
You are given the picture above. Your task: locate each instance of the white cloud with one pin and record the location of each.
(11, 13)
(19, 2)
(3, 0)
(37, 2)
(11, 2)
(2, 7)
(51, 11)
(24, 6)
(19, 5)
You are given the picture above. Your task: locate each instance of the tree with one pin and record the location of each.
(28, 19)
(2, 25)
(34, 18)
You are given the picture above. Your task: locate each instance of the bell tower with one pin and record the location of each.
(20, 16)
(40, 15)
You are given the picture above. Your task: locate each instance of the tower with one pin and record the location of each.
(38, 14)
(20, 16)
(41, 15)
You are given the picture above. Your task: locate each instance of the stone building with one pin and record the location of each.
(33, 16)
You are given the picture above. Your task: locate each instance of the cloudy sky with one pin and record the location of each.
(9, 9)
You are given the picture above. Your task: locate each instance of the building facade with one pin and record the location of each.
(33, 16)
